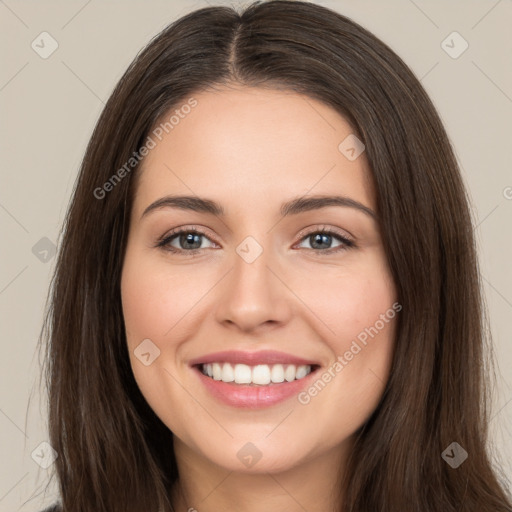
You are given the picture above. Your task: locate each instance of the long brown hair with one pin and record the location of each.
(114, 453)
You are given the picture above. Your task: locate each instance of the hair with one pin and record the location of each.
(114, 453)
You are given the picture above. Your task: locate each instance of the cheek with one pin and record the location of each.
(364, 311)
(155, 299)
(359, 306)
(151, 309)
(351, 300)
(147, 304)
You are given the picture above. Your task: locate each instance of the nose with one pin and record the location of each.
(254, 295)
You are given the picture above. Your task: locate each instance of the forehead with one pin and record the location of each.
(252, 146)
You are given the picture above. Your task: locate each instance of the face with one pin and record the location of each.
(297, 305)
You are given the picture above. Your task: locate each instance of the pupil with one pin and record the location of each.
(189, 238)
(319, 237)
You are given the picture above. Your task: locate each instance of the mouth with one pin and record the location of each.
(253, 380)
(256, 375)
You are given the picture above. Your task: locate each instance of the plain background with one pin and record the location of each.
(50, 106)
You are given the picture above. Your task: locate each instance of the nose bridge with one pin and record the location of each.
(252, 263)
(251, 274)
(252, 294)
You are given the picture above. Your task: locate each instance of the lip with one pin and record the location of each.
(253, 396)
(252, 358)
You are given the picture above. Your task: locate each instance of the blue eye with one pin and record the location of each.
(190, 241)
(325, 237)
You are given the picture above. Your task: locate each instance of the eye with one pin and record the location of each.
(188, 240)
(324, 236)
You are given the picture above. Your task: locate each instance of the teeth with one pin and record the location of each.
(242, 374)
(277, 373)
(217, 371)
(228, 375)
(261, 374)
(289, 373)
(302, 371)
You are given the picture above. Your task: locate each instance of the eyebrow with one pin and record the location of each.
(292, 207)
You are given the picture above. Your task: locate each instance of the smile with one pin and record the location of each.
(260, 374)
(253, 380)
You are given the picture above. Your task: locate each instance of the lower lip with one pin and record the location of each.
(253, 397)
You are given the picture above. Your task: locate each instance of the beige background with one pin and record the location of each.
(49, 108)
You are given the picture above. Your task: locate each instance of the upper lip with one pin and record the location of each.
(251, 358)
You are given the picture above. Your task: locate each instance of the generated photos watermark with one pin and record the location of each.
(151, 143)
(305, 397)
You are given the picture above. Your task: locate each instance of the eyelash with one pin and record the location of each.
(164, 241)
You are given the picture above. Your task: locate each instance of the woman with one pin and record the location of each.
(258, 369)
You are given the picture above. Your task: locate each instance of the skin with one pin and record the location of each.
(252, 149)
